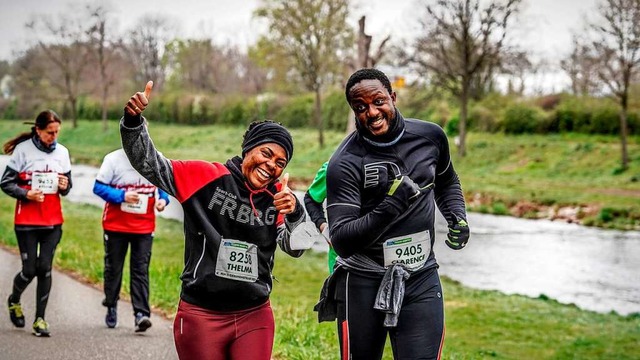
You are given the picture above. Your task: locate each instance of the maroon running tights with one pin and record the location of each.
(239, 335)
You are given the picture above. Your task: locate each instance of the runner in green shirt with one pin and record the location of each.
(313, 199)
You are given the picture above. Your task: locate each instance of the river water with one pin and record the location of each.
(594, 269)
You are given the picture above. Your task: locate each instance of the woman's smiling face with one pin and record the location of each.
(263, 164)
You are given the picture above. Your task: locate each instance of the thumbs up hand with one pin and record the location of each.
(139, 101)
(284, 200)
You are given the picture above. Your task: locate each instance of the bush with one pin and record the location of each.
(452, 127)
(336, 111)
(483, 119)
(521, 119)
(605, 120)
(298, 112)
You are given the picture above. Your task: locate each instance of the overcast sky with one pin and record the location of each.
(545, 27)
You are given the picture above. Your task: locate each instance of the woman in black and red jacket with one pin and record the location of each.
(234, 215)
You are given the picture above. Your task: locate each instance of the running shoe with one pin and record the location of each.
(142, 322)
(15, 313)
(112, 317)
(41, 328)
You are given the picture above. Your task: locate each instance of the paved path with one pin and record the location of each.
(76, 321)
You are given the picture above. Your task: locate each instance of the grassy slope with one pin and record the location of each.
(564, 169)
(552, 169)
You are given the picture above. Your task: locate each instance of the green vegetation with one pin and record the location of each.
(499, 174)
(480, 324)
(553, 171)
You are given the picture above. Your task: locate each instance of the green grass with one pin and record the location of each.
(480, 324)
(88, 143)
(556, 170)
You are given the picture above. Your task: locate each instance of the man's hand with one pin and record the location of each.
(404, 187)
(458, 234)
(285, 201)
(139, 101)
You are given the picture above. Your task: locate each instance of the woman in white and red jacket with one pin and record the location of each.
(38, 172)
(234, 215)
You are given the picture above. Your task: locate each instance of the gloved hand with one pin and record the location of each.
(458, 234)
(404, 189)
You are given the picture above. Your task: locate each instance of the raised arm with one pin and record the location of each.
(139, 147)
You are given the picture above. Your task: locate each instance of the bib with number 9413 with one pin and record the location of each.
(411, 250)
(47, 182)
(237, 260)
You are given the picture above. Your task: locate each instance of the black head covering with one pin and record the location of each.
(267, 132)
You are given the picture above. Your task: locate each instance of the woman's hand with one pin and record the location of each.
(63, 182)
(285, 201)
(139, 101)
(35, 195)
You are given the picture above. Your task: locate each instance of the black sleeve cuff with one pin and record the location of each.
(132, 121)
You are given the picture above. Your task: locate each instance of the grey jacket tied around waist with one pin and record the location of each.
(390, 292)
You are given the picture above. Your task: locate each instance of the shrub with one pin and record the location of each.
(452, 127)
(520, 119)
(336, 111)
(483, 119)
(298, 112)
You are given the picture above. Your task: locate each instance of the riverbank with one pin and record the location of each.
(598, 275)
(479, 324)
(565, 177)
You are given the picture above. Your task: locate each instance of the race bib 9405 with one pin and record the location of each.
(411, 250)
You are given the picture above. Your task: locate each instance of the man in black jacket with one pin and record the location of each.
(382, 185)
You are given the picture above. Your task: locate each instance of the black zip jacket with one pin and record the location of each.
(221, 215)
(361, 214)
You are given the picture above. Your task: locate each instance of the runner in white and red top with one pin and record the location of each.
(38, 172)
(129, 218)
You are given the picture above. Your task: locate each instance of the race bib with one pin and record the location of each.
(237, 260)
(136, 208)
(411, 250)
(45, 181)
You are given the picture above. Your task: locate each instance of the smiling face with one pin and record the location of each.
(49, 134)
(373, 105)
(263, 164)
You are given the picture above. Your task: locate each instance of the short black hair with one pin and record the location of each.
(367, 74)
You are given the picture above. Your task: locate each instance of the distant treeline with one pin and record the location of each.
(495, 113)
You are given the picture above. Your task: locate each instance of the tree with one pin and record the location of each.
(147, 41)
(310, 35)
(104, 47)
(200, 65)
(67, 54)
(364, 58)
(461, 47)
(616, 44)
(581, 67)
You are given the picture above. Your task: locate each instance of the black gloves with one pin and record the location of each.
(405, 189)
(458, 234)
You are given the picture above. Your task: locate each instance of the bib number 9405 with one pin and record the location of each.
(410, 250)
